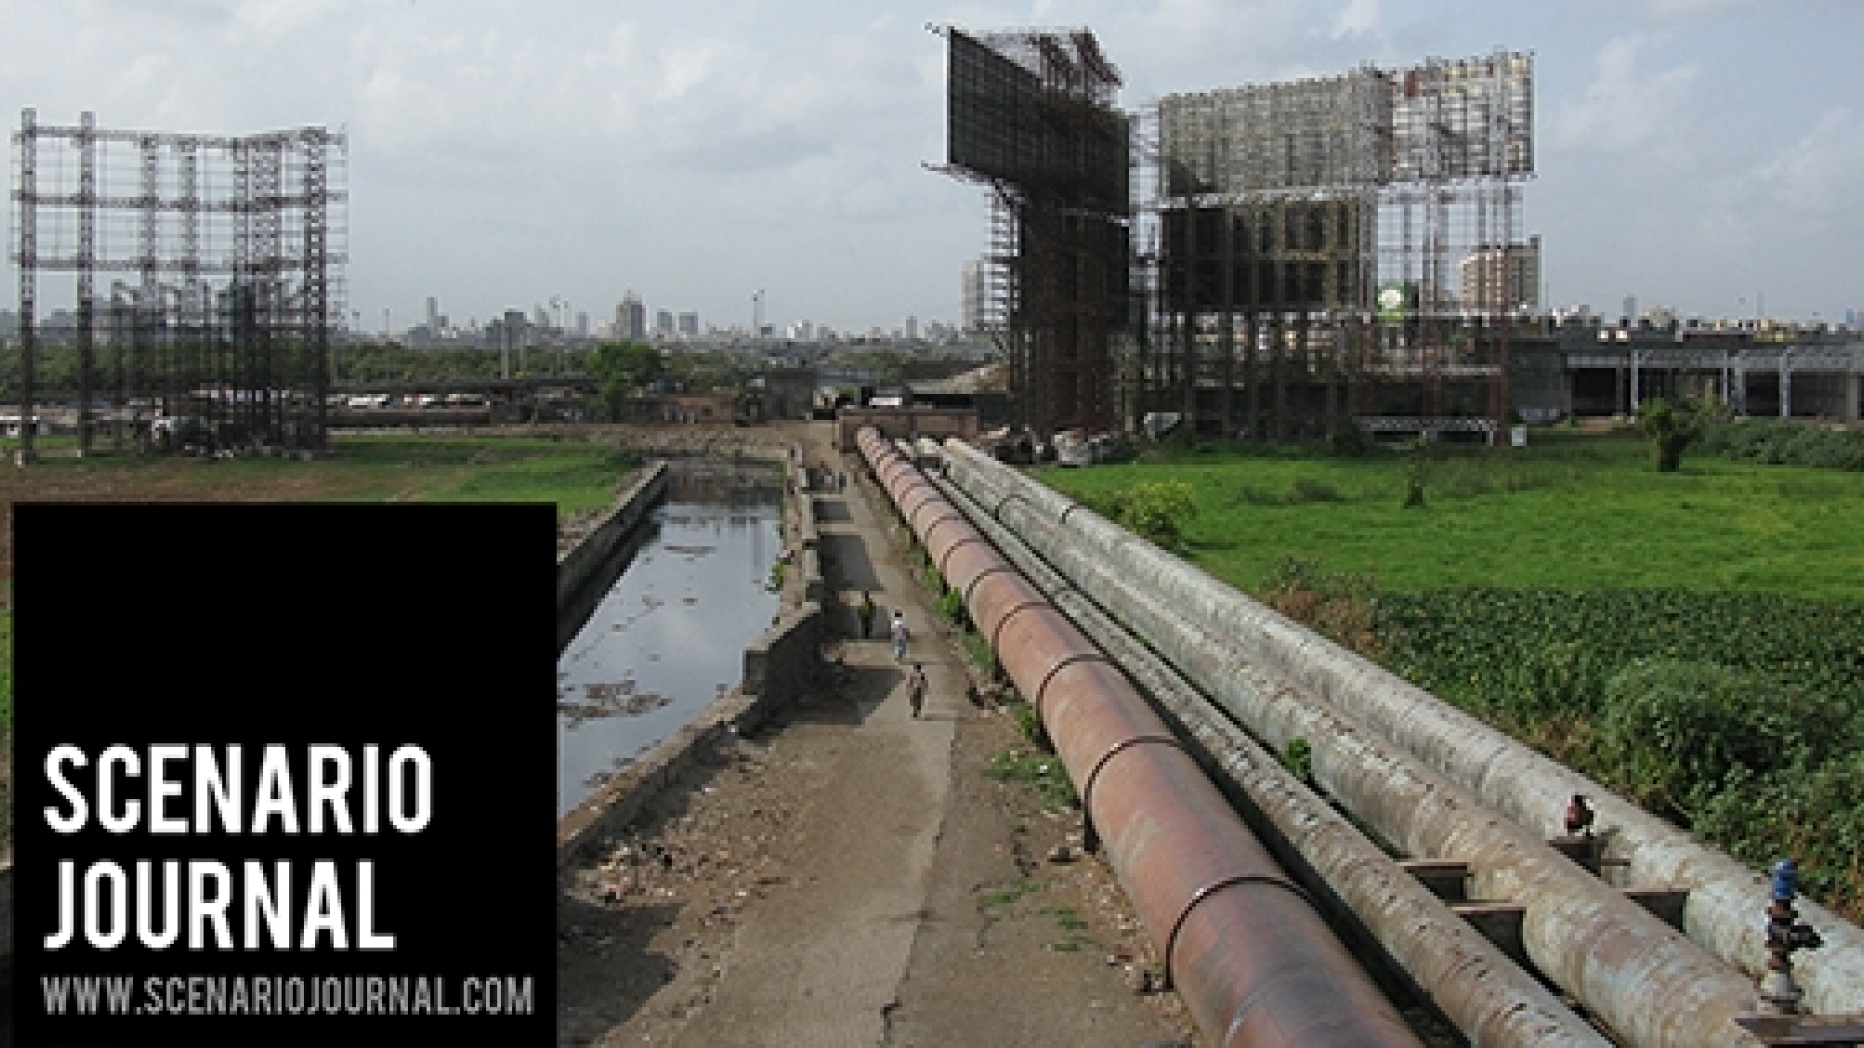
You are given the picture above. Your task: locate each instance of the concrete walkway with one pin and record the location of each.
(852, 876)
(824, 964)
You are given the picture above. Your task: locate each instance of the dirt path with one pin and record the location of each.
(853, 877)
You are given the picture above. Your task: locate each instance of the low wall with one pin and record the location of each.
(595, 550)
(779, 667)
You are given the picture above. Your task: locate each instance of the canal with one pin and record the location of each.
(669, 637)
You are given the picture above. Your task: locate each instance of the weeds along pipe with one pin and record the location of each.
(1491, 1000)
(1724, 895)
(1646, 981)
(1252, 959)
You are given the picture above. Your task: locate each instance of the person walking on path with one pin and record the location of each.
(916, 689)
(867, 611)
(900, 635)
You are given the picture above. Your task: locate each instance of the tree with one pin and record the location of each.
(1673, 427)
(621, 369)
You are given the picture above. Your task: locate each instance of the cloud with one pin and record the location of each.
(1678, 10)
(1817, 174)
(1358, 18)
(1632, 104)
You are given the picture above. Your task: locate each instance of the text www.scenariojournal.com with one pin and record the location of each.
(287, 995)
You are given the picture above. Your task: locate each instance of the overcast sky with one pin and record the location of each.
(1699, 154)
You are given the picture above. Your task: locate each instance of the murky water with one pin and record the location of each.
(669, 638)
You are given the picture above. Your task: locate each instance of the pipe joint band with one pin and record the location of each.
(997, 510)
(1042, 688)
(996, 635)
(995, 569)
(973, 539)
(1208, 890)
(1093, 774)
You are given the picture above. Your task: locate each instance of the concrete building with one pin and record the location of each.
(974, 296)
(1502, 279)
(631, 318)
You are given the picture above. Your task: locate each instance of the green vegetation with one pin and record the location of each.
(1001, 897)
(1042, 773)
(1780, 442)
(1159, 510)
(573, 475)
(623, 369)
(1695, 640)
(1673, 427)
(1569, 512)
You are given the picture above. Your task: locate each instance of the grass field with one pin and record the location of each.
(1567, 512)
(402, 468)
(1693, 640)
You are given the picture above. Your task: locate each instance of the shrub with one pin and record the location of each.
(1158, 510)
(1308, 490)
(1784, 442)
(1677, 731)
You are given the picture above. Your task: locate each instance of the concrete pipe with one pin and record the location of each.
(1488, 997)
(1726, 899)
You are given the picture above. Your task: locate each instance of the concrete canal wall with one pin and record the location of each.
(597, 548)
(781, 665)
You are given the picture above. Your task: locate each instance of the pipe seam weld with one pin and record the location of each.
(1208, 890)
(996, 634)
(941, 505)
(971, 586)
(997, 510)
(1077, 657)
(931, 526)
(945, 558)
(1091, 835)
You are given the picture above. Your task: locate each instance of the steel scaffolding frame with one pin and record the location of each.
(1032, 119)
(1288, 209)
(235, 245)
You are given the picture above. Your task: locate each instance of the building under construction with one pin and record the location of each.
(1335, 249)
(1031, 116)
(1307, 253)
(224, 259)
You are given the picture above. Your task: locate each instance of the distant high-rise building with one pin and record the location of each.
(689, 325)
(912, 329)
(663, 323)
(1630, 313)
(582, 323)
(511, 340)
(433, 314)
(1502, 279)
(974, 296)
(631, 318)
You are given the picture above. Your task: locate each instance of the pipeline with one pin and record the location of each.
(1644, 980)
(1251, 957)
(1489, 998)
(1724, 895)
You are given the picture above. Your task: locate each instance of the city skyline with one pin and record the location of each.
(739, 161)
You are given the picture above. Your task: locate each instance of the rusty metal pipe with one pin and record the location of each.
(1488, 997)
(1641, 977)
(1724, 894)
(1253, 960)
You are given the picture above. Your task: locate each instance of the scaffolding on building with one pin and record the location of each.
(225, 258)
(1032, 117)
(1308, 236)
